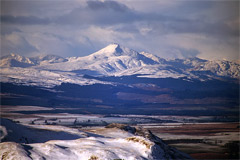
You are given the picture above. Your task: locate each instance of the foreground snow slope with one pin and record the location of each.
(115, 142)
(113, 60)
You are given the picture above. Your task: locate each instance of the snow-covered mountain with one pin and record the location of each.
(221, 68)
(113, 60)
(14, 60)
(110, 60)
(47, 59)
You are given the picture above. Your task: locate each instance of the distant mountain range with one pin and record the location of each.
(119, 80)
(113, 60)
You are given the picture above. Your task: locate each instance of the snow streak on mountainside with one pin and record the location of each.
(113, 60)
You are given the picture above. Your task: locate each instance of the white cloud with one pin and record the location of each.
(150, 5)
(15, 42)
(209, 47)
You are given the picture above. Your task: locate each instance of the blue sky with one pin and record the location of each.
(169, 29)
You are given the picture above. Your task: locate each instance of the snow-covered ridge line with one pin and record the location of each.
(113, 60)
(114, 142)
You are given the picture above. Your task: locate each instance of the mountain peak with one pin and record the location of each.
(113, 44)
(15, 60)
(114, 49)
(14, 55)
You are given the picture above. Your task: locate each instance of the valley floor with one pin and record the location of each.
(201, 140)
(200, 137)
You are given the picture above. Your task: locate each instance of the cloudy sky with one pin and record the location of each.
(207, 29)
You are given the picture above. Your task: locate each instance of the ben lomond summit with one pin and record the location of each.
(115, 50)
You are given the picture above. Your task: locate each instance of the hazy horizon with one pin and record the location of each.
(171, 58)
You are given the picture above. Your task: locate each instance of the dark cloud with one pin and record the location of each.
(99, 13)
(98, 5)
(110, 13)
(24, 20)
(160, 24)
(216, 29)
(37, 8)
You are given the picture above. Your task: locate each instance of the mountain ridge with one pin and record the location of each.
(113, 60)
